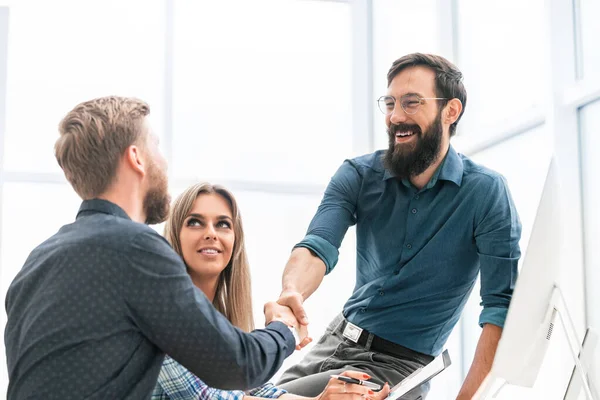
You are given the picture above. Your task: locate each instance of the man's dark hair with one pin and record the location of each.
(448, 78)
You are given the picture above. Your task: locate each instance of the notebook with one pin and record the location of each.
(420, 376)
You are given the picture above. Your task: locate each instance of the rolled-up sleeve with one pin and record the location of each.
(336, 213)
(176, 316)
(497, 235)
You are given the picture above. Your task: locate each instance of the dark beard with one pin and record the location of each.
(409, 160)
(157, 200)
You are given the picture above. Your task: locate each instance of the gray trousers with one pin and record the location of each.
(334, 353)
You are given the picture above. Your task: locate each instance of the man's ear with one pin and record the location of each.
(452, 111)
(135, 159)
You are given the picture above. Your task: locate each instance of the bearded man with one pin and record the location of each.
(428, 221)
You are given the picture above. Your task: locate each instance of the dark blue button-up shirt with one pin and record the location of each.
(95, 308)
(419, 251)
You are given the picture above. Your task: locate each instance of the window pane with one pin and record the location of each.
(398, 30)
(66, 51)
(524, 161)
(501, 54)
(590, 29)
(31, 213)
(590, 143)
(264, 93)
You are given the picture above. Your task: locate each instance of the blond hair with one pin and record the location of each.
(233, 297)
(94, 136)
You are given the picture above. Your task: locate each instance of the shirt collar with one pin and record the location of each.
(387, 174)
(101, 206)
(451, 169)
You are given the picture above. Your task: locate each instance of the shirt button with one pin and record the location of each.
(417, 197)
(381, 293)
(414, 211)
(409, 246)
(362, 310)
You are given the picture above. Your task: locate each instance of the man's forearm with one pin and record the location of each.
(482, 362)
(303, 273)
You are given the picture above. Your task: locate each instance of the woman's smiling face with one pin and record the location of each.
(207, 236)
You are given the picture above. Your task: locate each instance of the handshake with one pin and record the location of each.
(289, 310)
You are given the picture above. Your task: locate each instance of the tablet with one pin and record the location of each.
(420, 376)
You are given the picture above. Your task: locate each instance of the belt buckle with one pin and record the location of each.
(352, 332)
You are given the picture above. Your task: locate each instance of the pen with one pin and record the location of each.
(347, 379)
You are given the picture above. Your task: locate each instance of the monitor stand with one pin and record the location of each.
(586, 357)
(581, 371)
(492, 385)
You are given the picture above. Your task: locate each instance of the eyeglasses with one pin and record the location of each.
(410, 103)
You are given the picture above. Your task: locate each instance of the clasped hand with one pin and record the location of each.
(282, 313)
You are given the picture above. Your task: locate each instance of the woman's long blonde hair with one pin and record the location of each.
(233, 297)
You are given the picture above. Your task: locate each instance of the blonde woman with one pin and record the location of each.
(205, 229)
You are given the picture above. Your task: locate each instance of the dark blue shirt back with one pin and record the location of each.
(95, 308)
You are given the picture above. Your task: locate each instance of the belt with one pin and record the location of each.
(382, 345)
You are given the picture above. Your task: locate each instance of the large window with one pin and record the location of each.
(269, 96)
(258, 97)
(63, 52)
(501, 52)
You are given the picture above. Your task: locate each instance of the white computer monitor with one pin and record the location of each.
(529, 323)
(534, 307)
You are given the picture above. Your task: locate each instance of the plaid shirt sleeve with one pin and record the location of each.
(175, 382)
(268, 390)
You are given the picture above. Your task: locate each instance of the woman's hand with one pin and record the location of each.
(338, 390)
